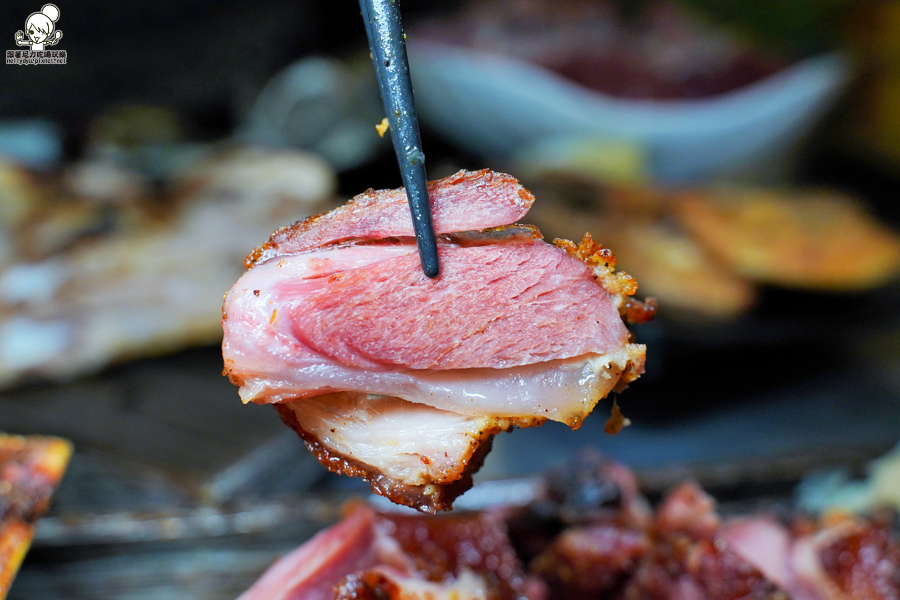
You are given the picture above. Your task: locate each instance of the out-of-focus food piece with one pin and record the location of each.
(819, 240)
(835, 491)
(515, 331)
(675, 270)
(687, 550)
(667, 262)
(91, 199)
(134, 125)
(638, 200)
(590, 560)
(370, 555)
(885, 478)
(62, 223)
(608, 529)
(665, 53)
(590, 535)
(31, 468)
(20, 195)
(854, 558)
(594, 158)
(157, 289)
(843, 558)
(105, 182)
(690, 557)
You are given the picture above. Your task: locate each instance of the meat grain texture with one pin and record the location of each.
(404, 380)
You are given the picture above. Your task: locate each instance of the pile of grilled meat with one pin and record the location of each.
(593, 536)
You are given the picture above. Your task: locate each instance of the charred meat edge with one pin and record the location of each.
(429, 498)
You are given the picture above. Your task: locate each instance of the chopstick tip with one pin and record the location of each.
(431, 266)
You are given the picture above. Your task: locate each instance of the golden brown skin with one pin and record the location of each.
(621, 286)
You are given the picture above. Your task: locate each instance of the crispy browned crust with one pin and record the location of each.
(861, 560)
(367, 585)
(362, 202)
(620, 285)
(671, 264)
(376, 585)
(30, 471)
(493, 235)
(430, 498)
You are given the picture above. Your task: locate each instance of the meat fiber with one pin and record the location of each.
(403, 380)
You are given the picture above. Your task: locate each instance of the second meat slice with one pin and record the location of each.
(404, 380)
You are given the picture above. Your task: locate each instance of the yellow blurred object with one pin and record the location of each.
(595, 158)
(873, 36)
(20, 197)
(133, 125)
(382, 127)
(31, 468)
(885, 477)
(19, 194)
(810, 239)
(672, 268)
(668, 263)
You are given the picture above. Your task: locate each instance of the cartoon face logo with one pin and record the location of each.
(40, 27)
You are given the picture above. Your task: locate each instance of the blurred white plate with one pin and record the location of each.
(499, 107)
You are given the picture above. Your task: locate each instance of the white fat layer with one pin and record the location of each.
(412, 443)
(560, 390)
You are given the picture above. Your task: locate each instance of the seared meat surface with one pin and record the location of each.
(403, 380)
(393, 557)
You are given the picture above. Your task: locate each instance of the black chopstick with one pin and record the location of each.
(388, 46)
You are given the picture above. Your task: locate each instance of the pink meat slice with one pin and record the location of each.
(372, 555)
(492, 306)
(277, 347)
(465, 201)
